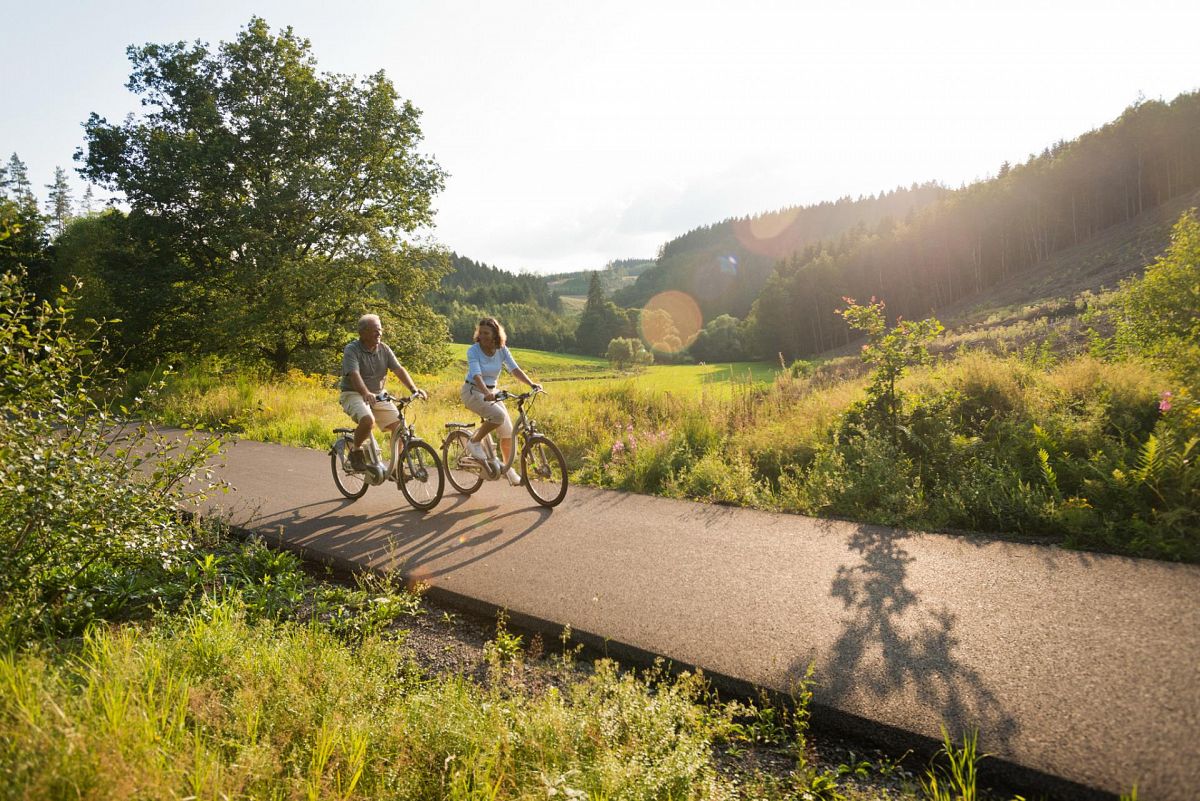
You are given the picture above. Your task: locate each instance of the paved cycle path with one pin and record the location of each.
(1083, 667)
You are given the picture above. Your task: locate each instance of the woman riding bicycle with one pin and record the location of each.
(485, 359)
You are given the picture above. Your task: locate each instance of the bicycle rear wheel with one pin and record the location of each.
(463, 479)
(420, 476)
(350, 482)
(544, 470)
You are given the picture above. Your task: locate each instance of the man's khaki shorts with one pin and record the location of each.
(493, 412)
(386, 414)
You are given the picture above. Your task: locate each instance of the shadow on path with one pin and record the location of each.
(892, 644)
(422, 546)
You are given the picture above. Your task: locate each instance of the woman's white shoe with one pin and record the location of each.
(514, 478)
(476, 449)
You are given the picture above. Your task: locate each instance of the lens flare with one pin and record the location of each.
(670, 321)
(769, 234)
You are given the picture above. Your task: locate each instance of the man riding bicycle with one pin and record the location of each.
(365, 365)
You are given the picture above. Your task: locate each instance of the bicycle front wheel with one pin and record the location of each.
(463, 479)
(420, 476)
(544, 470)
(350, 482)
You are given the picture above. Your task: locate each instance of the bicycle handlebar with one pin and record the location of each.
(385, 396)
(504, 395)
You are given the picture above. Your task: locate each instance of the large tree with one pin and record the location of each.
(58, 202)
(600, 322)
(293, 200)
(25, 248)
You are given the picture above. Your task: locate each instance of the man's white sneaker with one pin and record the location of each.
(514, 478)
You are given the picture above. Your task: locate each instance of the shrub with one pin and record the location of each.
(1158, 315)
(87, 499)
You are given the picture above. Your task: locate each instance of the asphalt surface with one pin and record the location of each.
(1081, 671)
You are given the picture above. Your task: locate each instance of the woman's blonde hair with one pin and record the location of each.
(494, 324)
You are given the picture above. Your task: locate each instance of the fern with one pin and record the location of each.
(1150, 462)
(1048, 472)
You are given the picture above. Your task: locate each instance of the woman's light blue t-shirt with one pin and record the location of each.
(479, 363)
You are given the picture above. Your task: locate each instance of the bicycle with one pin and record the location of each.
(416, 468)
(543, 468)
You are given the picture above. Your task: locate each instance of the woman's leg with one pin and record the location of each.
(484, 429)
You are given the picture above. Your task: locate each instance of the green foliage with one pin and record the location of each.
(287, 201)
(1158, 315)
(215, 704)
(24, 240)
(626, 352)
(723, 339)
(890, 352)
(953, 775)
(600, 322)
(87, 499)
(474, 284)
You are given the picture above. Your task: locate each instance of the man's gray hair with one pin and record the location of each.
(368, 318)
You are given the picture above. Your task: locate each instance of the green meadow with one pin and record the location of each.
(301, 408)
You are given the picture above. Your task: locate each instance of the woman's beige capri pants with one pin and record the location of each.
(493, 411)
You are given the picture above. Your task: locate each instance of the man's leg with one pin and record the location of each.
(365, 424)
(393, 433)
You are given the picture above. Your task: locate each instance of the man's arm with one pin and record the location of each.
(360, 387)
(407, 381)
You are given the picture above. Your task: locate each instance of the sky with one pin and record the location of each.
(579, 133)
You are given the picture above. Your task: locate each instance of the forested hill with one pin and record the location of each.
(616, 274)
(475, 284)
(726, 265)
(977, 237)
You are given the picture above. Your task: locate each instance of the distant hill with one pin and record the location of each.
(472, 283)
(1016, 230)
(726, 265)
(615, 275)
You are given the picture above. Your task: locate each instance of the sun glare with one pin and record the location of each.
(670, 321)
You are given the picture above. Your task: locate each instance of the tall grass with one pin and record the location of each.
(1018, 443)
(212, 705)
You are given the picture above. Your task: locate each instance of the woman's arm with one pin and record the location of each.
(519, 373)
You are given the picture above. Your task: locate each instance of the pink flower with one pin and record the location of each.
(618, 448)
(1164, 401)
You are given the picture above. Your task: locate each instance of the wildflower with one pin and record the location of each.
(618, 448)
(1164, 401)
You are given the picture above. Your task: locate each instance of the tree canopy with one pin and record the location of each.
(286, 201)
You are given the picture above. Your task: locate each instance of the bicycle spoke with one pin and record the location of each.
(545, 471)
(463, 478)
(420, 476)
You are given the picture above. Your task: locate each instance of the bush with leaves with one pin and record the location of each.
(626, 352)
(87, 498)
(1158, 314)
(890, 352)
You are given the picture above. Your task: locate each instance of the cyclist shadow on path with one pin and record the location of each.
(421, 546)
(893, 643)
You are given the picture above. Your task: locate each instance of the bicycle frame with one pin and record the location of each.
(524, 427)
(403, 434)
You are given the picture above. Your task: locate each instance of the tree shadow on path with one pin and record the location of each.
(893, 643)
